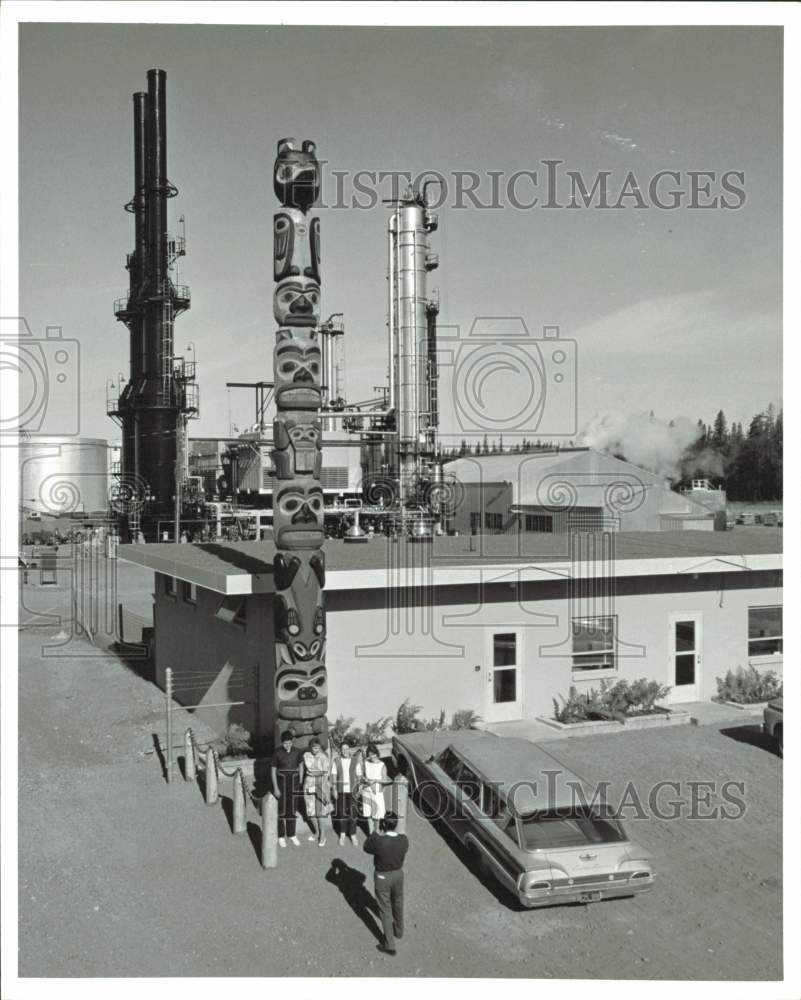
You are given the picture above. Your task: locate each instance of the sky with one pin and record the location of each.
(675, 311)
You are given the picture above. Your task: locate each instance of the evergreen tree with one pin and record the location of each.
(719, 438)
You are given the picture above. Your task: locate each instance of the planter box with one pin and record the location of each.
(678, 718)
(757, 707)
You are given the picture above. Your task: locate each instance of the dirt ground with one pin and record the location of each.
(123, 875)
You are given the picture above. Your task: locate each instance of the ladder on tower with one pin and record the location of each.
(134, 523)
(166, 348)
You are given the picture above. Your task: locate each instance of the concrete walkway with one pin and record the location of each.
(702, 713)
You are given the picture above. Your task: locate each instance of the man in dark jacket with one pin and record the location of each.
(389, 849)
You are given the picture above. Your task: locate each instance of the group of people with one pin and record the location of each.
(347, 787)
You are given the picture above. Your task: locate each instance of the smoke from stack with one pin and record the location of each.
(645, 440)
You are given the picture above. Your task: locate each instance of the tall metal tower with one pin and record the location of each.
(161, 391)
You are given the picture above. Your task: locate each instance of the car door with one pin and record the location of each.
(493, 837)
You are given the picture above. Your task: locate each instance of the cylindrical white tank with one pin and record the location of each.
(63, 475)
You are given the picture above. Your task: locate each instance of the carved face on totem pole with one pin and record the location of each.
(298, 514)
(296, 174)
(296, 370)
(301, 691)
(296, 302)
(296, 246)
(297, 438)
(302, 630)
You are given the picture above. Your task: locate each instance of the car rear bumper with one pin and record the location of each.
(587, 893)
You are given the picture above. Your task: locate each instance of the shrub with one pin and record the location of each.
(339, 730)
(748, 685)
(465, 718)
(432, 725)
(577, 706)
(406, 719)
(376, 732)
(235, 743)
(620, 700)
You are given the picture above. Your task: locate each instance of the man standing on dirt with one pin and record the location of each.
(286, 772)
(389, 849)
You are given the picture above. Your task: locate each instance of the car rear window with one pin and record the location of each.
(449, 763)
(569, 828)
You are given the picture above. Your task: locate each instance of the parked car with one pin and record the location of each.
(523, 817)
(773, 723)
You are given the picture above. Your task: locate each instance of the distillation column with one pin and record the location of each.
(410, 310)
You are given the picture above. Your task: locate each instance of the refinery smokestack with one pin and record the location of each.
(159, 388)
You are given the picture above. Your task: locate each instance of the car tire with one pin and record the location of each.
(778, 735)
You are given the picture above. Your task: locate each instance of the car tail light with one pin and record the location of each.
(533, 882)
(640, 874)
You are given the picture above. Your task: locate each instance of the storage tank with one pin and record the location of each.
(64, 475)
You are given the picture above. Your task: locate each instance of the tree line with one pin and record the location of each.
(747, 464)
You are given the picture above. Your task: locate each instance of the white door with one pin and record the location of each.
(684, 652)
(504, 687)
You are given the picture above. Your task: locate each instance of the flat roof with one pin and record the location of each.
(527, 774)
(247, 567)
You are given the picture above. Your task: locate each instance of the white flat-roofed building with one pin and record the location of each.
(501, 625)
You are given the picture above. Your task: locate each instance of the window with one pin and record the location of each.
(475, 522)
(493, 522)
(504, 649)
(449, 763)
(233, 610)
(504, 664)
(569, 828)
(469, 784)
(170, 586)
(765, 631)
(593, 644)
(189, 592)
(492, 804)
(539, 522)
(511, 831)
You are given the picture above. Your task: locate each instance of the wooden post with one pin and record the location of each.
(211, 778)
(168, 748)
(400, 800)
(269, 831)
(239, 801)
(190, 768)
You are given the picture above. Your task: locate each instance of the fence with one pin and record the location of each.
(190, 683)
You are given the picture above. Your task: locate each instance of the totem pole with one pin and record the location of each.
(301, 686)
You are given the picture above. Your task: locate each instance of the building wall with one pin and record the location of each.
(224, 662)
(383, 648)
(379, 655)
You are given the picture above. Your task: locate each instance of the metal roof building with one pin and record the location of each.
(569, 489)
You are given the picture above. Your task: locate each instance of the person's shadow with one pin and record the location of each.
(351, 883)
